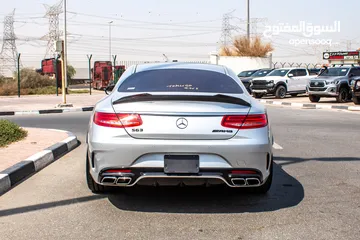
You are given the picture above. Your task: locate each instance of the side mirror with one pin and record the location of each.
(351, 75)
(109, 88)
(290, 75)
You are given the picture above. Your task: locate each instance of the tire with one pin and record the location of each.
(294, 94)
(356, 100)
(280, 92)
(258, 95)
(93, 186)
(343, 95)
(263, 189)
(314, 98)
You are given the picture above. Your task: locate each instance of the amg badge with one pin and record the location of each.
(222, 131)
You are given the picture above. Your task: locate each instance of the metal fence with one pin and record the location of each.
(292, 64)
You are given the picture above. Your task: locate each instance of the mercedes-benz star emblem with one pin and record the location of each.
(181, 123)
(316, 83)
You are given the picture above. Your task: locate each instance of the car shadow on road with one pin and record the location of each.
(283, 161)
(285, 192)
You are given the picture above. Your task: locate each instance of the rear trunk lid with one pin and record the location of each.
(185, 117)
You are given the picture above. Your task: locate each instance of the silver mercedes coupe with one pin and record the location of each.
(179, 124)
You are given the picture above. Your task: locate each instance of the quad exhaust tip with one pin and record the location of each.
(109, 180)
(238, 181)
(252, 181)
(245, 181)
(123, 180)
(112, 180)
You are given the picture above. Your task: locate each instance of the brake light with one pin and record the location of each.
(245, 122)
(117, 120)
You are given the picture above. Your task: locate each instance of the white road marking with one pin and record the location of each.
(277, 146)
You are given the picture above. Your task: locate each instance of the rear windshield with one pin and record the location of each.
(180, 80)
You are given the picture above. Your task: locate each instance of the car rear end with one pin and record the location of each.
(180, 126)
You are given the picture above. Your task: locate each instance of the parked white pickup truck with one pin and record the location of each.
(280, 82)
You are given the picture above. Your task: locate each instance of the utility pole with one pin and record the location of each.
(63, 73)
(52, 12)
(248, 20)
(57, 74)
(166, 58)
(226, 36)
(89, 58)
(18, 73)
(8, 53)
(348, 45)
(110, 39)
(65, 47)
(114, 59)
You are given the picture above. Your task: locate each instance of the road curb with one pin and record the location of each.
(20, 171)
(46, 111)
(310, 105)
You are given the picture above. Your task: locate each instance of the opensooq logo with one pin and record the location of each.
(307, 29)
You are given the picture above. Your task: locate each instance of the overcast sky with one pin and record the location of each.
(183, 30)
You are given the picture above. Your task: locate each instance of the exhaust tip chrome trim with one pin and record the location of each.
(238, 181)
(123, 180)
(252, 181)
(108, 180)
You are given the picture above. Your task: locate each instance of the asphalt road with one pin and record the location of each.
(315, 195)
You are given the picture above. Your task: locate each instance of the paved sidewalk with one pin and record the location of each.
(40, 148)
(42, 102)
(37, 140)
(305, 100)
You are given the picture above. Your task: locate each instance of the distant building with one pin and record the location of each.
(81, 74)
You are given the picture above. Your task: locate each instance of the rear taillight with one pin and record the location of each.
(245, 122)
(117, 120)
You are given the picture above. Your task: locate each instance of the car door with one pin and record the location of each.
(302, 79)
(292, 81)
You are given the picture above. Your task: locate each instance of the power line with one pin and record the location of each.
(143, 22)
(144, 38)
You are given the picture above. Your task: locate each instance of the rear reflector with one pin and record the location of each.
(118, 171)
(245, 122)
(117, 120)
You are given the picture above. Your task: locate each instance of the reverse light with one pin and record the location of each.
(117, 120)
(250, 121)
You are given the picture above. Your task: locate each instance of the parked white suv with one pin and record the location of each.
(280, 82)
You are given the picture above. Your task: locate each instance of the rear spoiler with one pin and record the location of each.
(215, 98)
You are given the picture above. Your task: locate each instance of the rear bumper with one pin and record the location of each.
(156, 177)
(216, 156)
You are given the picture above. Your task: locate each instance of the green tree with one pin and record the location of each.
(70, 72)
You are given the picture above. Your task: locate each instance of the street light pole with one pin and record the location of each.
(65, 47)
(110, 39)
(248, 19)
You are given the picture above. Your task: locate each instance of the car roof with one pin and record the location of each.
(345, 66)
(290, 68)
(180, 65)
